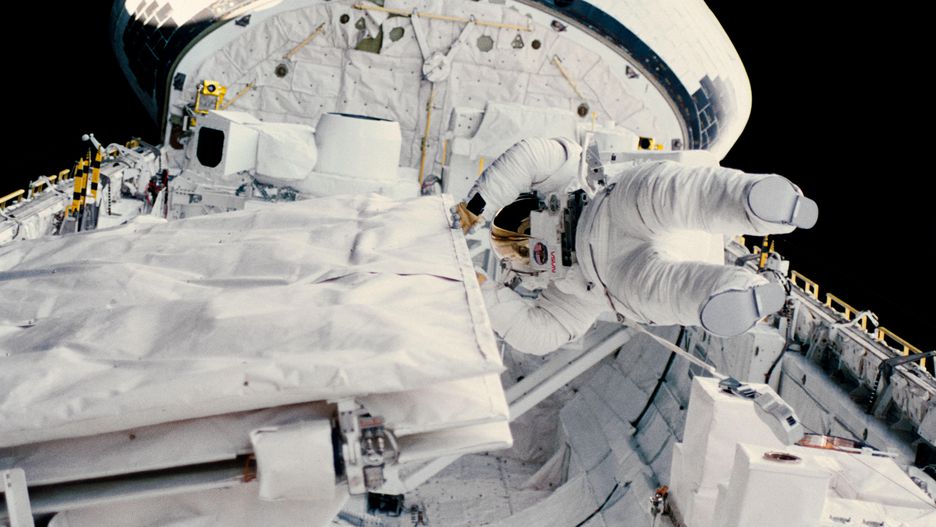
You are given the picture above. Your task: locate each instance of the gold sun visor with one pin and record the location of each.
(511, 246)
(510, 233)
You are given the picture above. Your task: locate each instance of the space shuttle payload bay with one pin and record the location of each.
(232, 343)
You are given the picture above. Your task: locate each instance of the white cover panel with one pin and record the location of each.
(868, 478)
(153, 322)
(356, 146)
(716, 422)
(442, 405)
(770, 493)
(286, 153)
(295, 462)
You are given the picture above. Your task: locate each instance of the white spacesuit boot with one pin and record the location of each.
(652, 283)
(734, 311)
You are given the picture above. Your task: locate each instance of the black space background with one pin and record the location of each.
(839, 102)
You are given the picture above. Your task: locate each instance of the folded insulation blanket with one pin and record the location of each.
(152, 322)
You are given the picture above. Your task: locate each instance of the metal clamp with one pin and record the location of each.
(368, 447)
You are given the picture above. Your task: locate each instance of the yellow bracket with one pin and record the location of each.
(17, 195)
(650, 142)
(209, 89)
(903, 347)
(436, 16)
(811, 288)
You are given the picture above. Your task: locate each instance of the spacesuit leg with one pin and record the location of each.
(654, 288)
(656, 197)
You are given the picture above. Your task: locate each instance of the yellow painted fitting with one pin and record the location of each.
(209, 89)
(85, 179)
(77, 187)
(480, 166)
(95, 175)
(766, 248)
(811, 288)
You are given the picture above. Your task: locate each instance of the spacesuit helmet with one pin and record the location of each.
(510, 233)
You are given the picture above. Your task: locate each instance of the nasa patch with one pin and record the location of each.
(540, 253)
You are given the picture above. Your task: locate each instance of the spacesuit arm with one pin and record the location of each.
(542, 325)
(531, 163)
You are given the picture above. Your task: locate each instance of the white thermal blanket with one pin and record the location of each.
(154, 322)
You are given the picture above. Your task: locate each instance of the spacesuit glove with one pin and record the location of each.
(464, 218)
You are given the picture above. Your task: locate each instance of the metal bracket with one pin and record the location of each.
(368, 448)
(18, 509)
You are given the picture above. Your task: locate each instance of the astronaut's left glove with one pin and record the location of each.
(464, 218)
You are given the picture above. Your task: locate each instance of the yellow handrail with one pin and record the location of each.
(880, 334)
(11, 196)
(809, 287)
(905, 347)
(36, 186)
(848, 312)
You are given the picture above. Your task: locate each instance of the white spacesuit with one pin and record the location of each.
(625, 262)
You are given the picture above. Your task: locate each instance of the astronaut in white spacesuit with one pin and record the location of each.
(623, 261)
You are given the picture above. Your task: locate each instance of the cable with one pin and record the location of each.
(885, 476)
(602, 506)
(661, 380)
(683, 353)
(790, 337)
